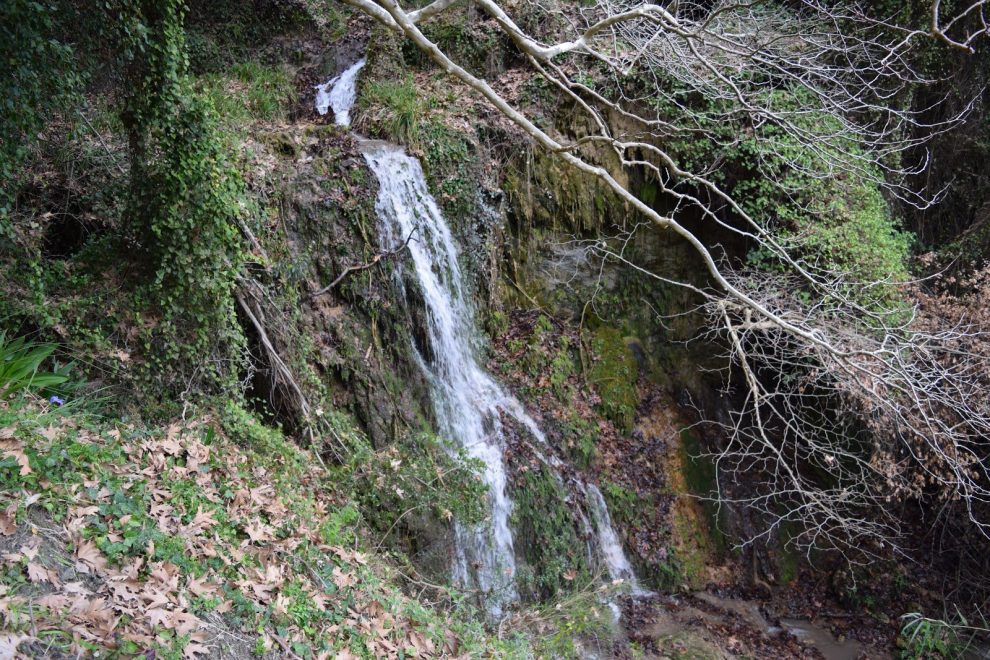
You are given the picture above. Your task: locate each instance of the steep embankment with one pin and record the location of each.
(213, 536)
(221, 535)
(599, 354)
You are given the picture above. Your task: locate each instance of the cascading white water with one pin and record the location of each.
(468, 402)
(466, 399)
(609, 546)
(339, 94)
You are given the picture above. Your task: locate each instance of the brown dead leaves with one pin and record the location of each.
(89, 557)
(245, 529)
(8, 520)
(10, 447)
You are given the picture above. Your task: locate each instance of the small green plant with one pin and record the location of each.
(403, 107)
(249, 92)
(574, 623)
(422, 474)
(20, 362)
(623, 503)
(929, 638)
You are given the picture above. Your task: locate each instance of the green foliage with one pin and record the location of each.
(38, 77)
(20, 361)
(470, 43)
(497, 323)
(249, 91)
(930, 638)
(623, 504)
(221, 33)
(421, 474)
(580, 439)
(401, 107)
(452, 164)
(835, 221)
(184, 203)
(555, 555)
(578, 622)
(546, 356)
(188, 201)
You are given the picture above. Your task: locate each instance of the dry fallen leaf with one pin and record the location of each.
(9, 643)
(90, 556)
(192, 649)
(342, 579)
(258, 531)
(202, 587)
(84, 510)
(8, 520)
(201, 521)
(54, 602)
(10, 449)
(30, 549)
(39, 573)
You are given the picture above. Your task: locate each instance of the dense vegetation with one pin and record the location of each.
(205, 449)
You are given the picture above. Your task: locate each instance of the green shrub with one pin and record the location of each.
(453, 168)
(837, 221)
(39, 76)
(20, 362)
(185, 200)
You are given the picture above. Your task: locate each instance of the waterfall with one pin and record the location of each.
(467, 400)
(609, 546)
(339, 94)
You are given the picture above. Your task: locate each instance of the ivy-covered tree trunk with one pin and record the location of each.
(184, 201)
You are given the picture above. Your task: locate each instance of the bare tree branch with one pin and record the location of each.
(378, 258)
(962, 30)
(845, 406)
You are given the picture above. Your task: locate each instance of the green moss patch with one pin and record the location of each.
(543, 521)
(614, 373)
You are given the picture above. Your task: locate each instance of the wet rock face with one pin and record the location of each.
(562, 225)
(360, 330)
(632, 363)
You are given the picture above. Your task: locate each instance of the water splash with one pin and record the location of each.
(339, 94)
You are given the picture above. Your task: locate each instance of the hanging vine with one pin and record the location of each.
(186, 197)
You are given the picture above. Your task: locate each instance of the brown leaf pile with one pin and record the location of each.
(149, 602)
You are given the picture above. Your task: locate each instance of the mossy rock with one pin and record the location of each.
(554, 557)
(614, 373)
(283, 144)
(697, 538)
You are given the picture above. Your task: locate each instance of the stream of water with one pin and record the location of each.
(339, 94)
(468, 402)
